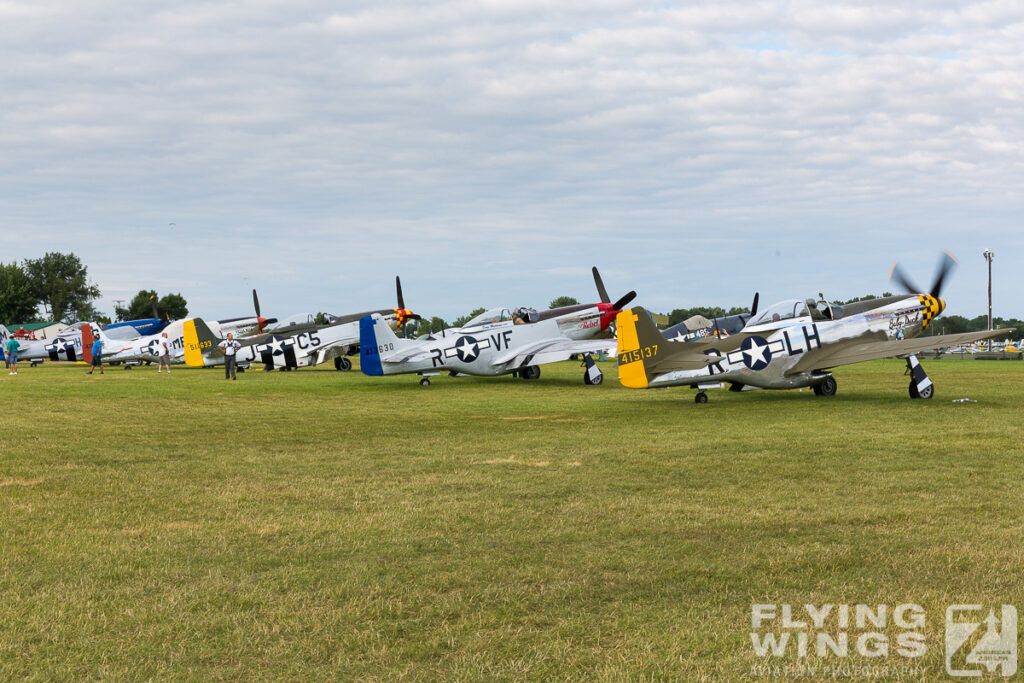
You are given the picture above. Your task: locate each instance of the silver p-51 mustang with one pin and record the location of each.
(792, 344)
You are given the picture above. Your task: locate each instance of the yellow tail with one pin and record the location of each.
(633, 350)
(197, 338)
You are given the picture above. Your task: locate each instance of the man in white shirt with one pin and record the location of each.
(229, 345)
(165, 354)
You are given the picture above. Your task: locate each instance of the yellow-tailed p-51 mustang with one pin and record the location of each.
(792, 344)
(291, 344)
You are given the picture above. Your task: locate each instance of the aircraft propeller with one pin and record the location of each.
(601, 291)
(753, 306)
(404, 314)
(261, 321)
(946, 264)
(608, 309)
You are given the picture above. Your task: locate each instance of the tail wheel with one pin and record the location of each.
(530, 372)
(701, 397)
(342, 363)
(425, 382)
(827, 387)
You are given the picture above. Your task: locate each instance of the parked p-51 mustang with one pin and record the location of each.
(65, 346)
(698, 327)
(793, 344)
(496, 342)
(147, 349)
(293, 345)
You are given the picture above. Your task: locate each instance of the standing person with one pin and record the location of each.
(165, 354)
(97, 356)
(230, 345)
(12, 355)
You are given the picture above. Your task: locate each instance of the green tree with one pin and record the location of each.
(172, 306)
(435, 324)
(141, 306)
(18, 303)
(61, 283)
(563, 301)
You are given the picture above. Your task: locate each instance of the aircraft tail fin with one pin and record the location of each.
(639, 343)
(376, 338)
(198, 340)
(87, 341)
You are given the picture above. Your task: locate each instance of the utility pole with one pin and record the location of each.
(989, 254)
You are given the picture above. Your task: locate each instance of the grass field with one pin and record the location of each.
(325, 525)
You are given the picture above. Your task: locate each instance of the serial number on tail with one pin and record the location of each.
(638, 354)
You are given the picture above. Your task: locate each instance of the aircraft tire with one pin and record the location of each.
(342, 363)
(597, 380)
(927, 393)
(425, 382)
(828, 387)
(530, 372)
(701, 397)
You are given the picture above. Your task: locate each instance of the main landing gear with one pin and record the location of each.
(826, 387)
(592, 375)
(342, 363)
(530, 372)
(920, 385)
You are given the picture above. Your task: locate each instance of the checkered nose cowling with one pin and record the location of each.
(402, 316)
(933, 307)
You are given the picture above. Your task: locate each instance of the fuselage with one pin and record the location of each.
(486, 348)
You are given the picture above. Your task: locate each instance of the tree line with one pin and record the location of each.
(56, 286)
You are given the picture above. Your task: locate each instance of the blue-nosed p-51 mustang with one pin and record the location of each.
(496, 342)
(792, 344)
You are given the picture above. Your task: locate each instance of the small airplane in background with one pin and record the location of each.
(293, 345)
(65, 346)
(793, 344)
(146, 349)
(698, 327)
(496, 342)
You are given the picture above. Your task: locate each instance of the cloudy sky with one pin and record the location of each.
(491, 152)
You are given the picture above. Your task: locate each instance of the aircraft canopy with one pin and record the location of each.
(495, 315)
(297, 319)
(784, 310)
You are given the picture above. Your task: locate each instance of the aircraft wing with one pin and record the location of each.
(857, 350)
(554, 349)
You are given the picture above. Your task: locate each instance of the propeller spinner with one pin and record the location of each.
(402, 314)
(609, 310)
(934, 304)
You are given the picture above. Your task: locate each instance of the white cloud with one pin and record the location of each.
(489, 150)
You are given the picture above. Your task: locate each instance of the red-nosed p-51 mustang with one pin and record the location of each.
(496, 342)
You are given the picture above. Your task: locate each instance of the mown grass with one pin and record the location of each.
(318, 524)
